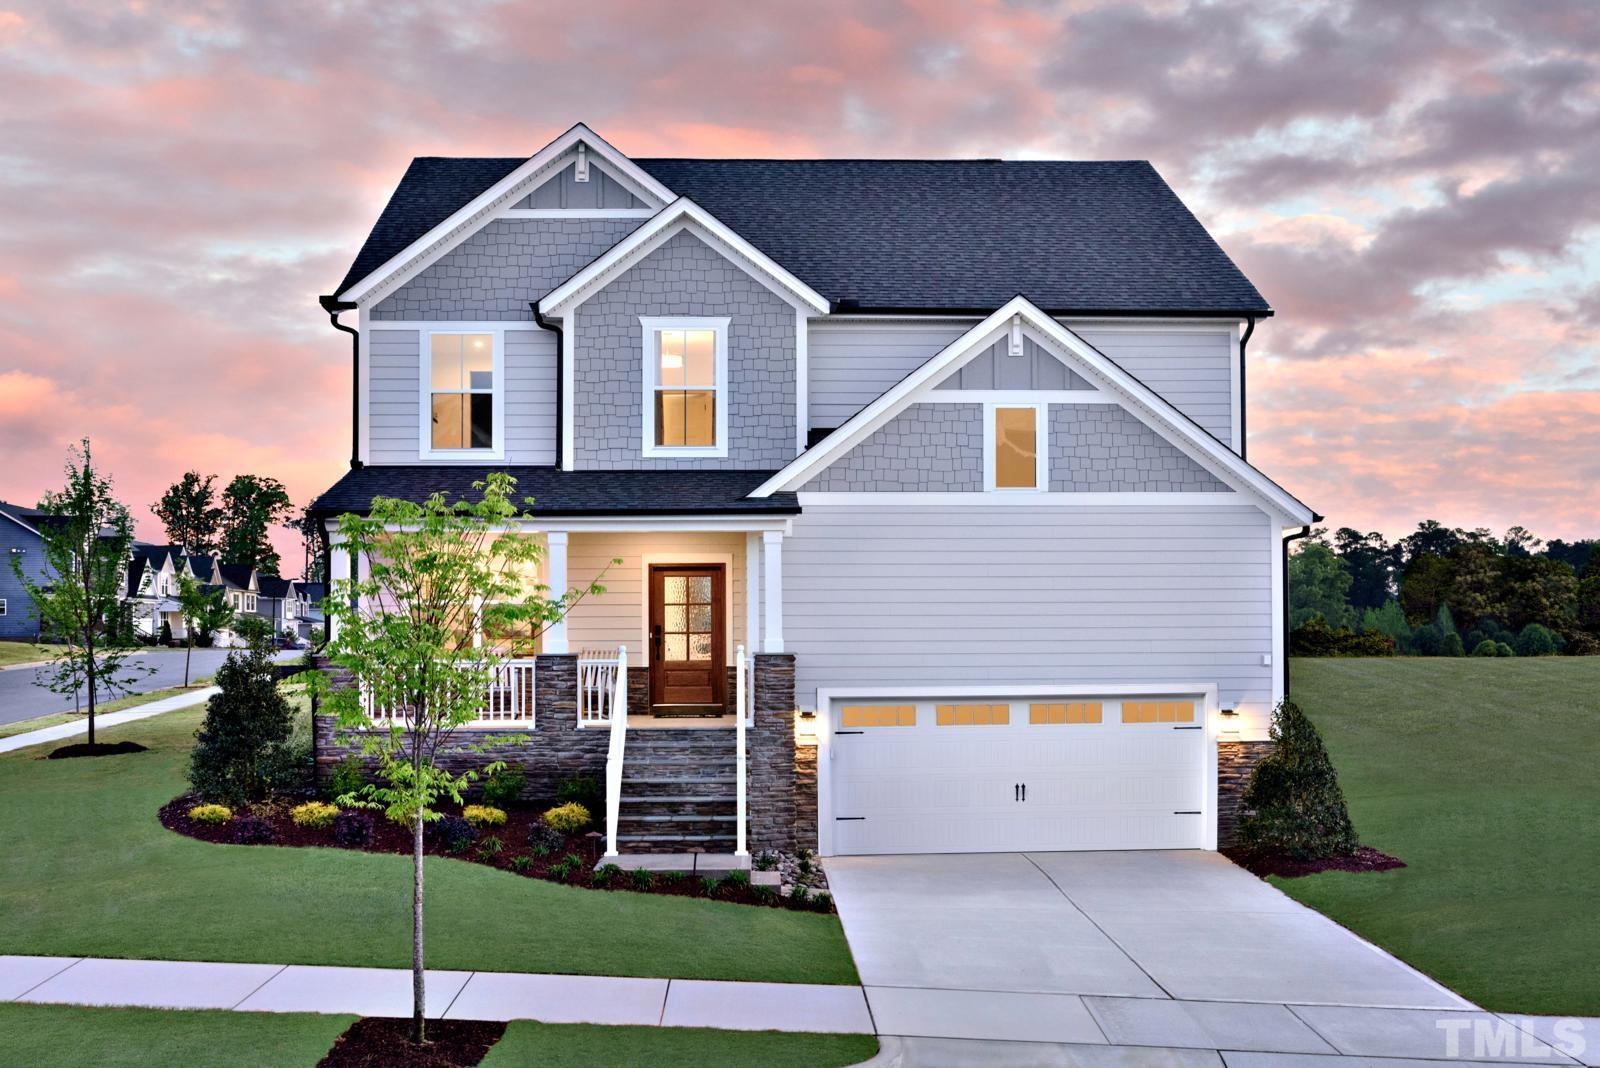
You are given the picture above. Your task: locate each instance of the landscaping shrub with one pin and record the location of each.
(585, 790)
(490, 846)
(212, 814)
(1315, 638)
(569, 818)
(1453, 646)
(709, 885)
(353, 830)
(822, 901)
(314, 814)
(604, 875)
(642, 878)
(672, 878)
(546, 837)
(765, 860)
(1502, 649)
(1537, 639)
(521, 863)
(563, 868)
(1293, 803)
(764, 895)
(253, 830)
(1485, 648)
(346, 778)
(503, 787)
(452, 833)
(481, 816)
(166, 633)
(242, 748)
(542, 850)
(1582, 645)
(739, 879)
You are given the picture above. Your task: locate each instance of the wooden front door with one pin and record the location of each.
(687, 657)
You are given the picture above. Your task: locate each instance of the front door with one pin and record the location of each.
(687, 659)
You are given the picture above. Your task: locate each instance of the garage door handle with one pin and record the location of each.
(1016, 791)
(1024, 792)
(1194, 728)
(849, 732)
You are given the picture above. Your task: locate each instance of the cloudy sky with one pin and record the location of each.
(1412, 185)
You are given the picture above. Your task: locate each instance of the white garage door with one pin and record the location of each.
(966, 775)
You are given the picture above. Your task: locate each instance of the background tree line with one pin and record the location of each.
(234, 525)
(1443, 591)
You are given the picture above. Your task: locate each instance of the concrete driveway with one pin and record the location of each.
(1182, 952)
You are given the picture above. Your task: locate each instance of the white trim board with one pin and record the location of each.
(1023, 499)
(1092, 364)
(472, 216)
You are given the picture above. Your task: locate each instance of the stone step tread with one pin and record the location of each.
(676, 837)
(670, 799)
(668, 780)
(695, 817)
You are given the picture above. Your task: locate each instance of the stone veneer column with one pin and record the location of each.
(771, 754)
(1235, 763)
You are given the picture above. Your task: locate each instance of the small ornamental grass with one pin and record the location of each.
(481, 816)
(314, 814)
(215, 815)
(569, 818)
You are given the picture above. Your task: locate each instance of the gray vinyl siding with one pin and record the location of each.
(529, 397)
(1104, 448)
(495, 274)
(881, 596)
(17, 542)
(928, 448)
(1035, 368)
(684, 277)
(565, 191)
(852, 363)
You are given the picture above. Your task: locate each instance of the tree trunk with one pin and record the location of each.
(187, 653)
(419, 993)
(90, 670)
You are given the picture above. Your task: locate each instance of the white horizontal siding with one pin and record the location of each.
(393, 416)
(530, 397)
(849, 365)
(1191, 369)
(926, 595)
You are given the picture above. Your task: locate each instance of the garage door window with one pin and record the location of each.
(878, 716)
(972, 715)
(1158, 711)
(1065, 712)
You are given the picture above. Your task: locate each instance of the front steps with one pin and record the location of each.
(678, 792)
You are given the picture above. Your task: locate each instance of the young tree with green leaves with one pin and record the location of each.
(190, 514)
(86, 536)
(435, 576)
(204, 612)
(251, 507)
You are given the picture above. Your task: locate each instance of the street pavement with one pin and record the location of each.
(23, 695)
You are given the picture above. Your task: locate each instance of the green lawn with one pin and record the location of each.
(23, 726)
(90, 871)
(70, 1036)
(584, 1046)
(26, 653)
(1481, 775)
(120, 704)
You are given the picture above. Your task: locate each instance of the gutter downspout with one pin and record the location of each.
(1244, 438)
(561, 355)
(1304, 532)
(334, 306)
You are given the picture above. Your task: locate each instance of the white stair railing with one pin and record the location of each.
(597, 672)
(614, 752)
(740, 848)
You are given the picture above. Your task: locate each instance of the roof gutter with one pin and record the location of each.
(1244, 341)
(561, 355)
(1303, 532)
(334, 306)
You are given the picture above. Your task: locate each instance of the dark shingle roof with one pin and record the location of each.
(953, 235)
(273, 585)
(236, 574)
(565, 493)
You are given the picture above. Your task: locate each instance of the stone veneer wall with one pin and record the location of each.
(771, 754)
(556, 749)
(805, 796)
(1235, 762)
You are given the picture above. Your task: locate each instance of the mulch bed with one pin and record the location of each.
(378, 1042)
(514, 856)
(1365, 858)
(84, 749)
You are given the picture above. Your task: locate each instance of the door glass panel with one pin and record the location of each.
(700, 618)
(700, 589)
(676, 589)
(675, 617)
(699, 647)
(675, 647)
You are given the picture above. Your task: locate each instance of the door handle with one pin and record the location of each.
(1016, 791)
(1024, 792)
(655, 636)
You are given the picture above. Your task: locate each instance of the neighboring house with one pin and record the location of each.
(153, 589)
(311, 618)
(955, 449)
(20, 540)
(281, 603)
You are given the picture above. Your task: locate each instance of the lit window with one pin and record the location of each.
(878, 716)
(1158, 711)
(972, 715)
(685, 402)
(1065, 712)
(461, 391)
(1015, 449)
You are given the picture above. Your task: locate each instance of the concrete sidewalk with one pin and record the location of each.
(109, 719)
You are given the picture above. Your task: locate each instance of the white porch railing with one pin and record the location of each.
(615, 751)
(597, 686)
(508, 702)
(741, 684)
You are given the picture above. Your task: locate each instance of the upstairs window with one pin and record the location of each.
(686, 379)
(461, 392)
(1014, 438)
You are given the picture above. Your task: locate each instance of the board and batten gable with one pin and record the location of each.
(885, 595)
(853, 361)
(684, 277)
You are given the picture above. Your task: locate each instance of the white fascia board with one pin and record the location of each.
(21, 524)
(467, 219)
(680, 214)
(1139, 397)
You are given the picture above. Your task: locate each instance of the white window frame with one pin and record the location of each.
(1041, 425)
(652, 325)
(425, 336)
(2, 606)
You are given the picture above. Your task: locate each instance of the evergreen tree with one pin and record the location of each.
(242, 748)
(1319, 585)
(1293, 803)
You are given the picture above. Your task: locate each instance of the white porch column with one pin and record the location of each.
(555, 638)
(752, 591)
(338, 571)
(772, 589)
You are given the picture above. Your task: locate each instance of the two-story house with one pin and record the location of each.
(21, 549)
(954, 450)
